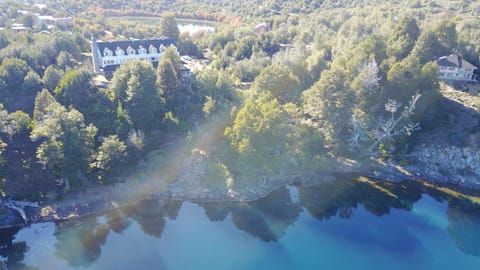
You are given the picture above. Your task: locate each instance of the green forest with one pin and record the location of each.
(328, 80)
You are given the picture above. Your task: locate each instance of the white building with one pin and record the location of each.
(262, 27)
(45, 19)
(50, 21)
(108, 55)
(19, 27)
(454, 68)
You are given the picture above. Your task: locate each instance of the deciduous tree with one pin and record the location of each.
(280, 82)
(109, 155)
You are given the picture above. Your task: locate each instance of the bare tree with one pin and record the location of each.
(375, 132)
(395, 125)
(359, 129)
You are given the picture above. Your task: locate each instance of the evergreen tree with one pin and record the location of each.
(168, 76)
(328, 103)
(75, 89)
(109, 155)
(134, 86)
(403, 38)
(280, 82)
(13, 72)
(66, 141)
(168, 27)
(51, 77)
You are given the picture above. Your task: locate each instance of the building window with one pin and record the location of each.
(107, 52)
(142, 50)
(130, 50)
(119, 51)
(152, 49)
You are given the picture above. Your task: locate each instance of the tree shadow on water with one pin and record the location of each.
(80, 242)
(266, 219)
(13, 251)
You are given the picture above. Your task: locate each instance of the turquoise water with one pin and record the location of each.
(342, 225)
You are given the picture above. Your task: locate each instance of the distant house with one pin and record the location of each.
(45, 19)
(107, 56)
(263, 27)
(67, 21)
(19, 27)
(22, 12)
(454, 68)
(50, 21)
(40, 6)
(286, 46)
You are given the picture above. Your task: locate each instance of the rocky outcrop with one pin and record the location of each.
(449, 164)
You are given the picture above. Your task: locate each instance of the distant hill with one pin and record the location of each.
(269, 7)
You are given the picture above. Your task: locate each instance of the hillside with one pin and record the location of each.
(449, 151)
(352, 85)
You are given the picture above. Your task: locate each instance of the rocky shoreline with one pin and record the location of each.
(95, 201)
(79, 205)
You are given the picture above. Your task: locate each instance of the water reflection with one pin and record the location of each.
(267, 218)
(13, 251)
(342, 196)
(464, 228)
(117, 220)
(80, 243)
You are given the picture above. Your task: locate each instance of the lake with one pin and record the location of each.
(355, 223)
(190, 26)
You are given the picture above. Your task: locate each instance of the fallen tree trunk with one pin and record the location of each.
(19, 207)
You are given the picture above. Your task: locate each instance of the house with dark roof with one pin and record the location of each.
(454, 68)
(107, 56)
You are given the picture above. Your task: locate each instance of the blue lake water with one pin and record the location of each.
(346, 224)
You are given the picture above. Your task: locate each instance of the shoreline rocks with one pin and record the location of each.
(111, 197)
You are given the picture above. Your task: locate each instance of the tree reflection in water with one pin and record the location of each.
(80, 242)
(118, 220)
(463, 215)
(463, 227)
(267, 218)
(13, 251)
(151, 214)
(342, 196)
